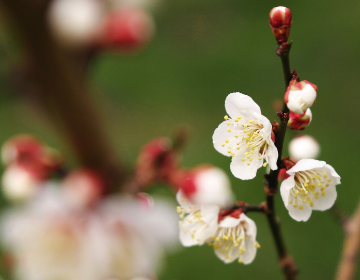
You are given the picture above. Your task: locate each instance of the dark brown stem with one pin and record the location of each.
(245, 208)
(350, 255)
(271, 187)
(63, 90)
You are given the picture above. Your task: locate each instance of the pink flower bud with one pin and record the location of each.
(300, 95)
(127, 29)
(280, 22)
(299, 121)
(205, 184)
(83, 187)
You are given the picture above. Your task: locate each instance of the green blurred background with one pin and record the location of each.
(202, 51)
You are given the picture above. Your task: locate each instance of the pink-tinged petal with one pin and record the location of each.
(229, 222)
(243, 171)
(306, 164)
(238, 104)
(249, 255)
(327, 201)
(333, 173)
(221, 134)
(300, 214)
(285, 188)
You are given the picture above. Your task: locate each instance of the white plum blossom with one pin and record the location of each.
(246, 136)
(300, 96)
(234, 237)
(311, 186)
(52, 240)
(303, 147)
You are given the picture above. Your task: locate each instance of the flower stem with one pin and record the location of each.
(286, 263)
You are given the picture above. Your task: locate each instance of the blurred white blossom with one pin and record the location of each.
(304, 147)
(52, 240)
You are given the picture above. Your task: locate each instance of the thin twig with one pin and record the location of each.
(271, 187)
(63, 90)
(350, 255)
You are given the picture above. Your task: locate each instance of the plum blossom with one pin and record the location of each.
(246, 136)
(311, 186)
(231, 233)
(300, 96)
(52, 240)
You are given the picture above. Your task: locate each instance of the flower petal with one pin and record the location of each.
(238, 104)
(250, 226)
(221, 134)
(229, 222)
(300, 214)
(333, 173)
(272, 154)
(243, 171)
(285, 188)
(325, 202)
(249, 255)
(306, 164)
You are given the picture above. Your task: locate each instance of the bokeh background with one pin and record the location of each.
(202, 51)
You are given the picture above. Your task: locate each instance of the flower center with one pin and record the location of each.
(194, 217)
(246, 139)
(231, 241)
(308, 185)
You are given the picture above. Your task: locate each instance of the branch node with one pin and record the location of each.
(284, 117)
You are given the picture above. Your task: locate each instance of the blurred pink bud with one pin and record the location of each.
(83, 187)
(205, 184)
(280, 22)
(127, 29)
(299, 121)
(32, 155)
(75, 23)
(300, 96)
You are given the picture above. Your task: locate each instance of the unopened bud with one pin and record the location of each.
(282, 175)
(19, 184)
(74, 23)
(83, 187)
(304, 147)
(300, 95)
(299, 121)
(280, 22)
(127, 29)
(205, 185)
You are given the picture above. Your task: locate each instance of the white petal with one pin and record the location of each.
(222, 253)
(229, 222)
(251, 228)
(325, 202)
(273, 155)
(249, 255)
(209, 213)
(220, 135)
(306, 164)
(238, 104)
(285, 188)
(300, 214)
(333, 173)
(266, 130)
(243, 171)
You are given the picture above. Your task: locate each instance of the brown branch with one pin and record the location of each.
(63, 90)
(271, 186)
(350, 255)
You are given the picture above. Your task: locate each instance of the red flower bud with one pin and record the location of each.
(299, 121)
(280, 22)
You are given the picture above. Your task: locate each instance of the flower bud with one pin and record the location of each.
(299, 121)
(280, 22)
(127, 29)
(282, 175)
(205, 185)
(304, 147)
(300, 95)
(83, 187)
(20, 184)
(74, 23)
